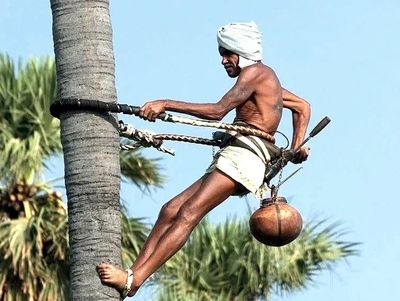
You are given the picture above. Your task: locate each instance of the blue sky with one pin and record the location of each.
(342, 56)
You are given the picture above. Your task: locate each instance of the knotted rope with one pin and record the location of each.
(143, 138)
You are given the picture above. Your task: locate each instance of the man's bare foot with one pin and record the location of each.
(115, 277)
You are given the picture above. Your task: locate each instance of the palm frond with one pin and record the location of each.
(28, 133)
(34, 247)
(139, 170)
(225, 260)
(34, 243)
(26, 265)
(318, 248)
(134, 234)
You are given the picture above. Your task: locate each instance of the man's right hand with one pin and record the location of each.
(150, 110)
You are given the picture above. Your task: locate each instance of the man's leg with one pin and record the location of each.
(213, 190)
(165, 219)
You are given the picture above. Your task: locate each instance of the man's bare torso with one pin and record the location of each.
(256, 97)
(263, 109)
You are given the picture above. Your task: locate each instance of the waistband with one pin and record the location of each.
(235, 139)
(274, 150)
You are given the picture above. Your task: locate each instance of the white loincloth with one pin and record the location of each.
(242, 165)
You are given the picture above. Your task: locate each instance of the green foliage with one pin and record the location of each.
(28, 133)
(137, 169)
(34, 244)
(224, 262)
(134, 234)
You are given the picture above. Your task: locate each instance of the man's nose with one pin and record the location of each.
(223, 60)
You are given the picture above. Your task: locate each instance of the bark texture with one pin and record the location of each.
(85, 69)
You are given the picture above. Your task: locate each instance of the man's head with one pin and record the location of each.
(239, 46)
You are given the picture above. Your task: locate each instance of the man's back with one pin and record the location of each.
(263, 109)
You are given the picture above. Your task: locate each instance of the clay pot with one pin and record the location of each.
(275, 223)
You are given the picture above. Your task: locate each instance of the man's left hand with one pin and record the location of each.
(301, 155)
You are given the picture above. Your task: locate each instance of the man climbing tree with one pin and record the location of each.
(238, 168)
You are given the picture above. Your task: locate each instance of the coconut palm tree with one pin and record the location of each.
(83, 49)
(33, 219)
(224, 262)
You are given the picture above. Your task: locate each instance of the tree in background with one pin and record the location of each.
(224, 262)
(34, 247)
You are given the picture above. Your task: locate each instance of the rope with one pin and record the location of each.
(189, 139)
(147, 138)
(99, 106)
(144, 138)
(219, 125)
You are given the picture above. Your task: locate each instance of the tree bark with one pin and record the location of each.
(85, 69)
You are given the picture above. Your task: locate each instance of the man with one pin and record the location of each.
(258, 99)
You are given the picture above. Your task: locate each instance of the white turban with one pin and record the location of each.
(244, 39)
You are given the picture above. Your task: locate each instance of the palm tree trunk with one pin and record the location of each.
(85, 69)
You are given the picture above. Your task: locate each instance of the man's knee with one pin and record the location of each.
(169, 211)
(188, 215)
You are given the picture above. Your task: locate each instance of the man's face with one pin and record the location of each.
(230, 61)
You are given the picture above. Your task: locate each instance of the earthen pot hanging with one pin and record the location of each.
(275, 223)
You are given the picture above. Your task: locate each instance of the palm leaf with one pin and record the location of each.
(35, 252)
(139, 170)
(134, 234)
(225, 260)
(34, 246)
(28, 133)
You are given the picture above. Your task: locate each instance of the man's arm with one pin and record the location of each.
(301, 111)
(238, 94)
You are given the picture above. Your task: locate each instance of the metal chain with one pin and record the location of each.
(276, 188)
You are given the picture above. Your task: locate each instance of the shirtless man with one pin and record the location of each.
(258, 99)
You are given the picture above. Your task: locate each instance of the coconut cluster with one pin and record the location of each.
(15, 200)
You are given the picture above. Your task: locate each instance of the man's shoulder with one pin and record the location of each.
(257, 70)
